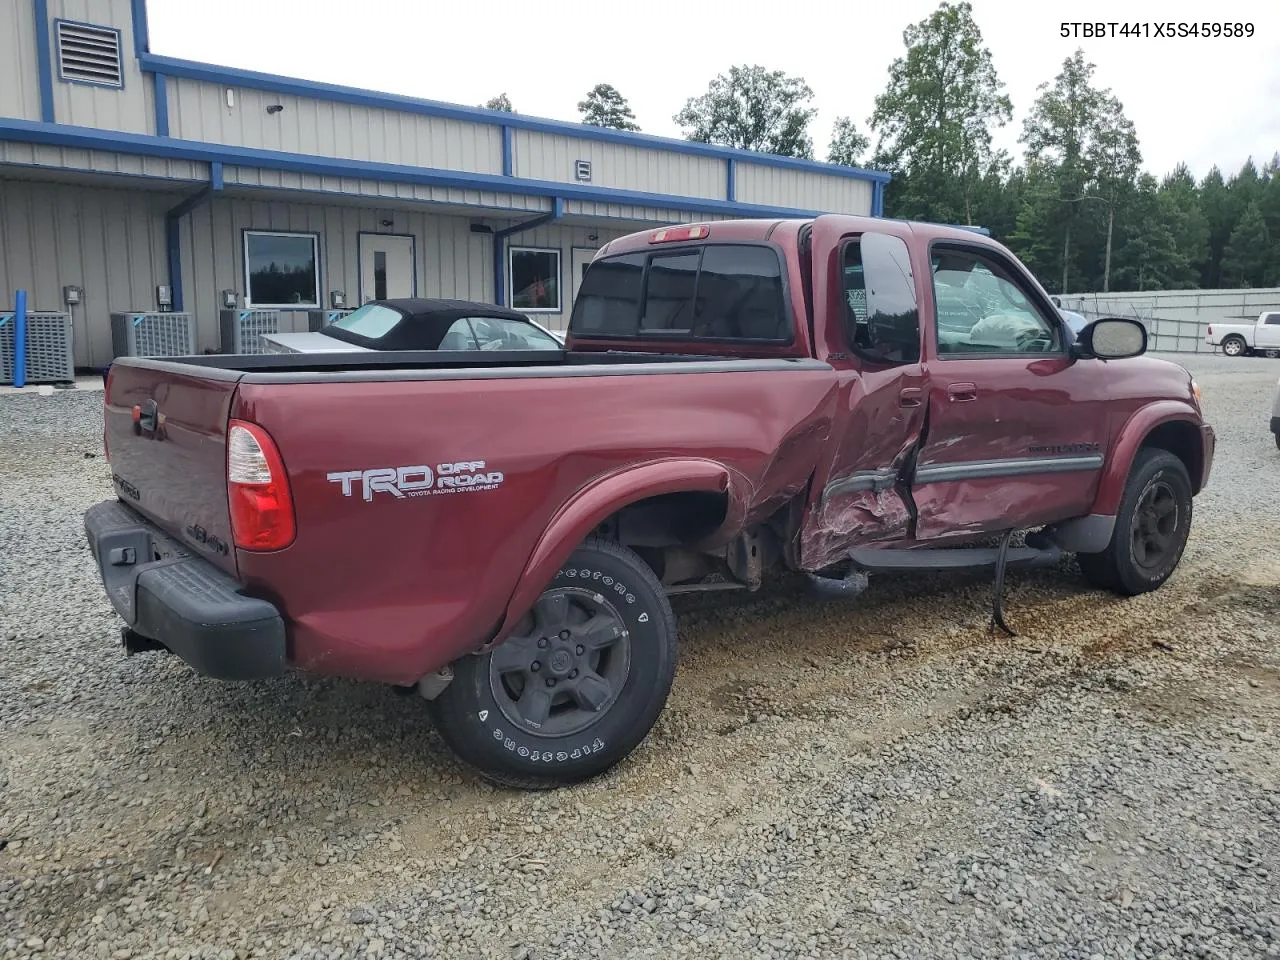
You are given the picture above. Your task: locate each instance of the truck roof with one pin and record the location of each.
(764, 228)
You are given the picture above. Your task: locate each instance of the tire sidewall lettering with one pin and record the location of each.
(537, 752)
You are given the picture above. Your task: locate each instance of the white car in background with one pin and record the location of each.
(420, 324)
(1245, 339)
(1076, 321)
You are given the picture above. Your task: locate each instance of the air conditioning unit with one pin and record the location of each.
(50, 351)
(152, 335)
(240, 331)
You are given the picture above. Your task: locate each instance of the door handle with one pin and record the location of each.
(910, 396)
(962, 392)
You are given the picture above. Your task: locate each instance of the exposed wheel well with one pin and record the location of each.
(667, 520)
(1183, 440)
(659, 528)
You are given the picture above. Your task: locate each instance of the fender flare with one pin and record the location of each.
(1126, 446)
(596, 502)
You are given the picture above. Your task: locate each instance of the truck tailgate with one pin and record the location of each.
(166, 441)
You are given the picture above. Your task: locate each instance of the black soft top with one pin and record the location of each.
(423, 323)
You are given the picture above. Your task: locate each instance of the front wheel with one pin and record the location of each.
(577, 686)
(1151, 529)
(1234, 346)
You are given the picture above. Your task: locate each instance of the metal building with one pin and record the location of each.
(128, 178)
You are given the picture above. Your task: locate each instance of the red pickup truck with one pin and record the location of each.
(839, 396)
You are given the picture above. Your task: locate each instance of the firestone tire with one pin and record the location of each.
(1156, 507)
(610, 621)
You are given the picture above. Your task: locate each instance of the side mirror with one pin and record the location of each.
(1112, 338)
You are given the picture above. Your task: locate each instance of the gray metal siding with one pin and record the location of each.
(543, 156)
(100, 161)
(199, 111)
(131, 109)
(797, 189)
(450, 260)
(110, 242)
(19, 72)
(357, 187)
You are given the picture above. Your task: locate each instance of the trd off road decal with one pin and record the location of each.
(420, 480)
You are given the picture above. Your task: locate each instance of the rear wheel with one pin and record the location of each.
(1234, 346)
(1151, 529)
(577, 686)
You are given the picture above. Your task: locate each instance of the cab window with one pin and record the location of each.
(714, 292)
(981, 309)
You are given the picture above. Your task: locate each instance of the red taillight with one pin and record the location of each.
(1210, 330)
(257, 489)
(698, 231)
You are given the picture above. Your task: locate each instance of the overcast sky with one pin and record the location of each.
(1193, 100)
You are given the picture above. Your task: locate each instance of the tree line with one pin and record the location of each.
(1077, 207)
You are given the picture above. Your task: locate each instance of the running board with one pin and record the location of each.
(939, 560)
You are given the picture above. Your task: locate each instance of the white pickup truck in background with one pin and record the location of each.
(1246, 339)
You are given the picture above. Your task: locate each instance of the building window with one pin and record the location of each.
(88, 54)
(281, 269)
(535, 279)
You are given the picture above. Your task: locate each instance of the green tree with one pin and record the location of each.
(934, 119)
(847, 144)
(1079, 132)
(1181, 211)
(1216, 205)
(604, 106)
(753, 109)
(1269, 204)
(500, 102)
(1246, 260)
(1147, 256)
(1115, 159)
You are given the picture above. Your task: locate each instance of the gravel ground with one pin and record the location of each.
(874, 778)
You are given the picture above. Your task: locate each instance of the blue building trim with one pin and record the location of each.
(500, 249)
(508, 152)
(141, 32)
(173, 232)
(44, 60)
(229, 76)
(137, 144)
(162, 105)
(877, 199)
(731, 179)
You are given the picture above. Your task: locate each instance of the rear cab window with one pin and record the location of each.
(726, 292)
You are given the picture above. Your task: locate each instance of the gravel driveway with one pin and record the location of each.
(880, 777)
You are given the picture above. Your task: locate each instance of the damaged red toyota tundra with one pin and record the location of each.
(502, 531)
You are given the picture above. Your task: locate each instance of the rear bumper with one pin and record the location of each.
(184, 602)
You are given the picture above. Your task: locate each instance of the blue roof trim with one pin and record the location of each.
(44, 60)
(88, 138)
(230, 76)
(731, 180)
